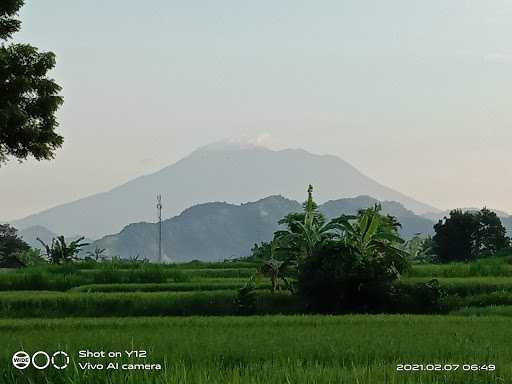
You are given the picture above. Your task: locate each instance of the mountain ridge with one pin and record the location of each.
(219, 230)
(214, 173)
(435, 216)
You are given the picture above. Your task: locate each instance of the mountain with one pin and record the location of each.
(507, 223)
(436, 216)
(30, 235)
(412, 224)
(219, 172)
(211, 231)
(216, 231)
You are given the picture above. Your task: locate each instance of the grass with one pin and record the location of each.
(138, 264)
(219, 272)
(482, 300)
(465, 286)
(150, 291)
(196, 264)
(195, 298)
(277, 349)
(248, 349)
(62, 278)
(81, 304)
(48, 278)
(492, 310)
(497, 266)
(170, 287)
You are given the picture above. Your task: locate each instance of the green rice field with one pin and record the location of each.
(187, 320)
(269, 349)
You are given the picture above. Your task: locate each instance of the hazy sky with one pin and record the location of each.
(414, 93)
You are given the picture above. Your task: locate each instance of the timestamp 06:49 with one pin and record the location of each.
(445, 367)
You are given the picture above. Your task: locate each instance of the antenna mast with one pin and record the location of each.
(159, 213)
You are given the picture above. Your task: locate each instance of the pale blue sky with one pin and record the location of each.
(416, 94)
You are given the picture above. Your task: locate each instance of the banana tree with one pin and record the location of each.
(97, 254)
(278, 269)
(306, 231)
(419, 249)
(59, 251)
(372, 235)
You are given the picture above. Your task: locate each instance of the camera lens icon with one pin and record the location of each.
(64, 357)
(21, 360)
(40, 360)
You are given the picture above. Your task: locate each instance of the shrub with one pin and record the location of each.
(349, 263)
(419, 297)
(245, 300)
(337, 279)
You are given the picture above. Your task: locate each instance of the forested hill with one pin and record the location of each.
(216, 231)
(411, 223)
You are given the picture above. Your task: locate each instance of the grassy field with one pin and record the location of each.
(275, 349)
(492, 267)
(169, 287)
(106, 307)
(45, 304)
